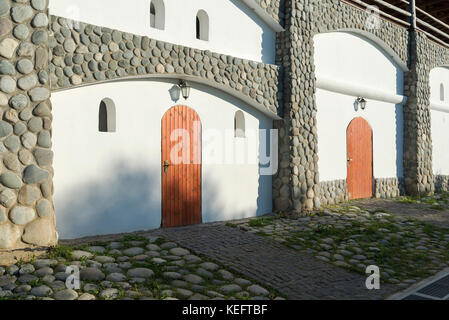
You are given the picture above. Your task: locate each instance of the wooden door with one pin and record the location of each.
(359, 159)
(181, 167)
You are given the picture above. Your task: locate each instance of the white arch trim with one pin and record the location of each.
(438, 106)
(352, 89)
(379, 42)
(192, 79)
(269, 20)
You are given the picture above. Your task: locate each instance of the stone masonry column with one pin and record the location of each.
(418, 173)
(26, 208)
(298, 178)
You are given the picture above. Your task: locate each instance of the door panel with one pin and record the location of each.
(359, 159)
(181, 167)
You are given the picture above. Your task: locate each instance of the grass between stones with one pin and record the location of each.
(158, 287)
(405, 250)
(437, 202)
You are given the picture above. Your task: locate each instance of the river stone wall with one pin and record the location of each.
(297, 184)
(418, 171)
(441, 183)
(333, 192)
(388, 187)
(82, 54)
(273, 8)
(26, 206)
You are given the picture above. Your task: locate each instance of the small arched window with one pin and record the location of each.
(157, 14)
(202, 26)
(106, 116)
(239, 125)
(441, 92)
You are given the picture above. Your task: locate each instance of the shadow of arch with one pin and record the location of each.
(235, 93)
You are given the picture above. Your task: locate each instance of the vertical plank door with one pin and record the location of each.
(359, 159)
(181, 167)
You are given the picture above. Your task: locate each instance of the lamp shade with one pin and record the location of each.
(185, 89)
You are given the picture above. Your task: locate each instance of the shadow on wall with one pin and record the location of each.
(399, 141)
(125, 203)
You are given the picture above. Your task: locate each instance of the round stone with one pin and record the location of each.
(43, 208)
(39, 4)
(5, 25)
(10, 180)
(39, 94)
(140, 273)
(25, 114)
(4, 7)
(25, 157)
(25, 66)
(258, 290)
(22, 215)
(42, 110)
(116, 277)
(5, 129)
(33, 174)
(28, 82)
(26, 49)
(179, 251)
(18, 102)
(21, 32)
(40, 20)
(39, 37)
(133, 251)
(7, 84)
(91, 274)
(41, 291)
(35, 124)
(21, 13)
(9, 234)
(12, 143)
(28, 195)
(11, 162)
(29, 140)
(230, 288)
(7, 198)
(70, 45)
(7, 68)
(80, 254)
(8, 47)
(44, 157)
(40, 233)
(67, 294)
(109, 293)
(192, 278)
(3, 99)
(209, 266)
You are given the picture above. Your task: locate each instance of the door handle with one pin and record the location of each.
(166, 165)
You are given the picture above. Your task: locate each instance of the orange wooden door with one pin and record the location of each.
(359, 159)
(181, 167)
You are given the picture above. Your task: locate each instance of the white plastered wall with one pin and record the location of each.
(440, 120)
(111, 182)
(348, 58)
(234, 28)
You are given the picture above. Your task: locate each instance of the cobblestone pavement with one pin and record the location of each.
(294, 274)
(436, 214)
(406, 250)
(126, 267)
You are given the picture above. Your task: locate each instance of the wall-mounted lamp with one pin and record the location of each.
(361, 102)
(185, 89)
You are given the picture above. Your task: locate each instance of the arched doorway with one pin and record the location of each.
(359, 139)
(181, 167)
